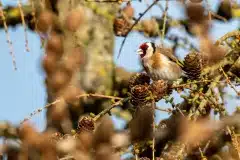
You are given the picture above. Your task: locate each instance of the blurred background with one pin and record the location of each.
(23, 91)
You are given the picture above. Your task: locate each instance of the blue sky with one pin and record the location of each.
(23, 91)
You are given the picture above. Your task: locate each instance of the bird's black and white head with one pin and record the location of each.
(146, 50)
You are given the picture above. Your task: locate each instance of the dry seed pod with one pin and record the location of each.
(121, 27)
(159, 89)
(128, 10)
(59, 113)
(30, 136)
(59, 79)
(106, 152)
(49, 64)
(74, 19)
(45, 21)
(70, 94)
(139, 78)
(56, 55)
(103, 132)
(150, 27)
(85, 141)
(86, 124)
(193, 65)
(211, 54)
(141, 124)
(55, 43)
(74, 59)
(140, 94)
(195, 13)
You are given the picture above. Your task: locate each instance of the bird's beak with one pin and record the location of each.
(139, 51)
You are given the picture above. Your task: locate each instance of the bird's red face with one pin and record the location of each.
(146, 50)
(142, 51)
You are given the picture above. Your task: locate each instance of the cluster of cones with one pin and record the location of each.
(143, 92)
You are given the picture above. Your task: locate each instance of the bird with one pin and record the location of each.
(159, 63)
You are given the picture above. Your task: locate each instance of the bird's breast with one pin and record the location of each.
(166, 71)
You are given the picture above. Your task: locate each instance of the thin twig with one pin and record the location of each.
(43, 4)
(139, 18)
(206, 147)
(136, 157)
(153, 141)
(228, 81)
(98, 95)
(40, 110)
(164, 21)
(107, 110)
(164, 110)
(8, 36)
(59, 100)
(195, 82)
(201, 152)
(67, 157)
(218, 16)
(180, 111)
(234, 140)
(228, 35)
(24, 25)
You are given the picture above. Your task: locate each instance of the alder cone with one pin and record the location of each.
(140, 94)
(54, 54)
(74, 59)
(128, 10)
(193, 65)
(121, 27)
(59, 79)
(159, 89)
(70, 94)
(49, 64)
(55, 43)
(86, 124)
(195, 13)
(151, 27)
(139, 78)
(74, 19)
(45, 21)
(86, 139)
